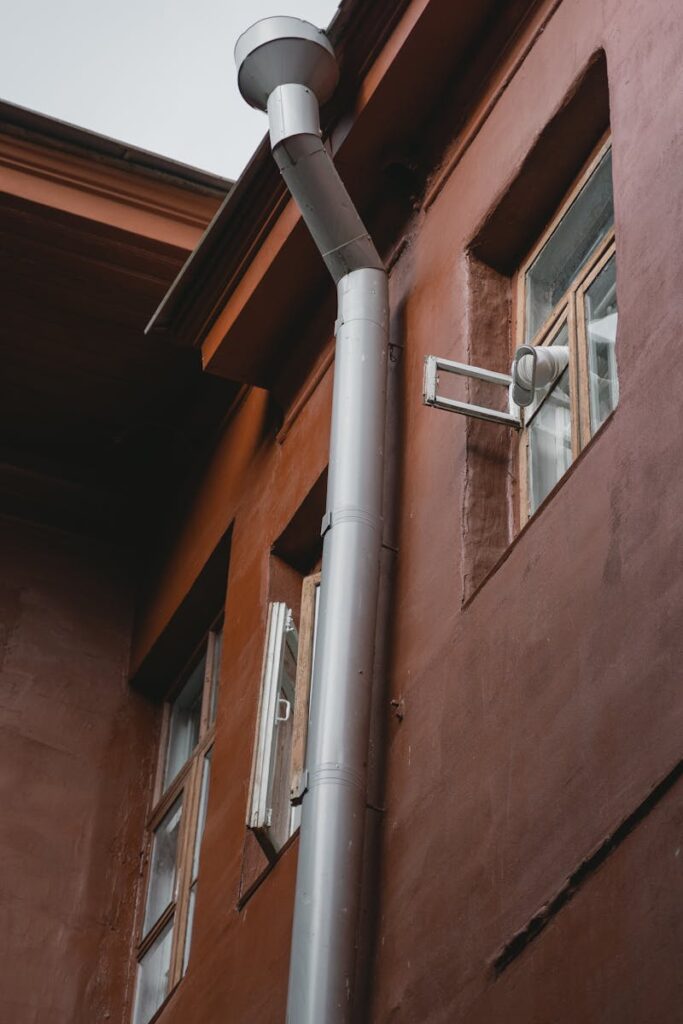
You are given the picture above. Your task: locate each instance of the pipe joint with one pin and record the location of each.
(363, 294)
(293, 111)
(361, 516)
(335, 774)
(535, 367)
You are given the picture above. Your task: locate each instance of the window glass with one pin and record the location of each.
(153, 972)
(601, 331)
(201, 821)
(560, 340)
(203, 802)
(162, 875)
(550, 435)
(570, 246)
(186, 715)
(215, 674)
(282, 748)
(190, 923)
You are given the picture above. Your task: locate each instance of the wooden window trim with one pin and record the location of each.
(570, 307)
(187, 783)
(304, 674)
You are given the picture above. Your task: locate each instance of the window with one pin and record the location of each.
(175, 828)
(567, 297)
(282, 723)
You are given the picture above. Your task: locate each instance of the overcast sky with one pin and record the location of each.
(154, 73)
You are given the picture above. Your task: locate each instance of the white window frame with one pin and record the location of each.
(267, 791)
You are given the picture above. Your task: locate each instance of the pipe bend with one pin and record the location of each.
(314, 183)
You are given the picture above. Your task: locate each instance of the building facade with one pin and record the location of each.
(517, 164)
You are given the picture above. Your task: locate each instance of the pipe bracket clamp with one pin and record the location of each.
(334, 517)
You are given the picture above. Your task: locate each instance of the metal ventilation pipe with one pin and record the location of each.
(288, 67)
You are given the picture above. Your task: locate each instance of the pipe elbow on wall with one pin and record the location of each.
(288, 67)
(314, 183)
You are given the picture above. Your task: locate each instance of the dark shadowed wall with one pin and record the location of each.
(76, 747)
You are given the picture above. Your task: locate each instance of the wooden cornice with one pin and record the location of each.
(251, 282)
(144, 204)
(258, 199)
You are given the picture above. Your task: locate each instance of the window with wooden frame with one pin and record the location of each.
(566, 296)
(175, 828)
(282, 722)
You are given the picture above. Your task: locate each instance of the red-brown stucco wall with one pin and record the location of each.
(540, 715)
(536, 717)
(76, 754)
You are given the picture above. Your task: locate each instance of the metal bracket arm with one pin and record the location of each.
(434, 365)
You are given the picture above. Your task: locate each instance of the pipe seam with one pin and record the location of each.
(336, 774)
(363, 237)
(335, 517)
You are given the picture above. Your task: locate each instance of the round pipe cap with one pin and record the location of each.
(283, 51)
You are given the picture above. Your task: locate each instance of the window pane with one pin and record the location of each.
(601, 332)
(550, 442)
(215, 674)
(281, 808)
(185, 719)
(570, 246)
(550, 433)
(190, 923)
(162, 874)
(201, 821)
(153, 971)
(560, 339)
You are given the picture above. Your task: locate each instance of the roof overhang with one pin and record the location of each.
(256, 271)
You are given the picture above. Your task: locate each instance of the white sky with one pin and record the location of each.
(158, 74)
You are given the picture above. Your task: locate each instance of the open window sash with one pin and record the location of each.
(269, 812)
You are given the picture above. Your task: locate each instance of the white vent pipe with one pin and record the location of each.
(288, 67)
(535, 367)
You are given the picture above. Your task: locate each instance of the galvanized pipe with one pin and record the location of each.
(325, 930)
(324, 936)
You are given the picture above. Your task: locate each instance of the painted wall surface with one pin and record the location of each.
(76, 756)
(542, 714)
(240, 957)
(538, 716)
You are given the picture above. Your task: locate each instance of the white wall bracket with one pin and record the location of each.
(434, 365)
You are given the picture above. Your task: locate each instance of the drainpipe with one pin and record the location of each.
(288, 67)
